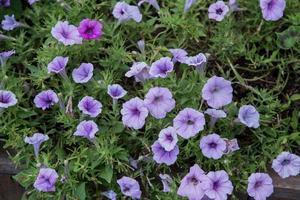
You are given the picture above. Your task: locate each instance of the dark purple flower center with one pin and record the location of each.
(88, 128)
(270, 5)
(163, 69)
(115, 92)
(126, 188)
(89, 30)
(193, 180)
(212, 145)
(136, 111)
(65, 34)
(190, 122)
(216, 185)
(215, 89)
(156, 99)
(169, 137)
(122, 11)
(257, 184)
(286, 162)
(219, 11)
(4, 98)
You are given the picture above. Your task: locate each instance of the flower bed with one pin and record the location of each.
(151, 100)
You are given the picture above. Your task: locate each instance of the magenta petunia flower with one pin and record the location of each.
(168, 138)
(189, 122)
(161, 68)
(125, 12)
(166, 181)
(130, 187)
(179, 55)
(160, 155)
(90, 29)
(36, 140)
(134, 113)
(45, 181)
(249, 116)
(57, 65)
(83, 73)
(260, 186)
(272, 10)
(66, 33)
(90, 106)
(110, 194)
(212, 146)
(286, 164)
(188, 4)
(116, 91)
(140, 71)
(9, 23)
(191, 184)
(86, 129)
(45, 99)
(198, 61)
(217, 92)
(151, 2)
(7, 99)
(216, 185)
(159, 101)
(217, 11)
(231, 145)
(4, 3)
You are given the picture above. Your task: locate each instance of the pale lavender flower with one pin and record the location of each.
(45, 181)
(133, 163)
(90, 106)
(249, 116)
(141, 45)
(116, 91)
(168, 138)
(189, 122)
(191, 184)
(140, 71)
(5, 55)
(217, 11)
(86, 129)
(231, 145)
(272, 10)
(160, 155)
(151, 2)
(212, 146)
(110, 194)
(161, 68)
(45, 99)
(7, 99)
(215, 115)
(124, 12)
(66, 33)
(4, 3)
(130, 187)
(286, 164)
(134, 113)
(198, 61)
(179, 55)
(188, 4)
(32, 1)
(216, 185)
(217, 92)
(57, 65)
(260, 186)
(159, 101)
(166, 181)
(36, 140)
(83, 73)
(233, 5)
(9, 23)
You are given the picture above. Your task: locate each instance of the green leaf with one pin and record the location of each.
(295, 97)
(80, 192)
(107, 173)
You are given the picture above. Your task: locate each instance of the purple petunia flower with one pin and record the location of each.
(130, 187)
(189, 122)
(166, 181)
(4, 3)
(87, 129)
(168, 138)
(286, 164)
(216, 185)
(116, 91)
(141, 45)
(159, 101)
(45, 99)
(140, 71)
(231, 145)
(260, 186)
(83, 73)
(32, 1)
(45, 182)
(191, 184)
(217, 11)
(134, 113)
(160, 155)
(151, 2)
(90, 29)
(217, 92)
(36, 140)
(66, 33)
(179, 55)
(124, 12)
(212, 146)
(7, 99)
(249, 116)
(272, 10)
(57, 65)
(110, 194)
(90, 106)
(233, 5)
(5, 55)
(161, 68)
(188, 4)
(9, 23)
(198, 61)
(215, 115)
